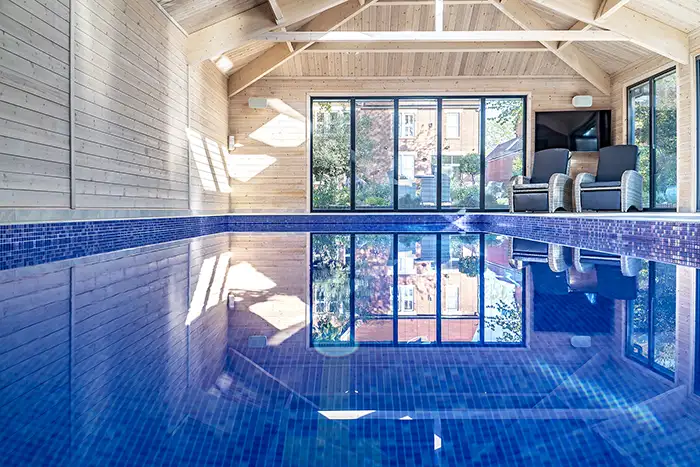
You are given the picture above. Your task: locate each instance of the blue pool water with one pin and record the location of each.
(421, 347)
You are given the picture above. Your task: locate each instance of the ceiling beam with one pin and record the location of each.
(234, 32)
(609, 7)
(276, 11)
(644, 31)
(527, 18)
(424, 47)
(280, 53)
(445, 36)
(579, 26)
(429, 2)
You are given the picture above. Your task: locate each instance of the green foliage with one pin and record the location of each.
(469, 265)
(465, 196)
(503, 117)
(508, 320)
(331, 290)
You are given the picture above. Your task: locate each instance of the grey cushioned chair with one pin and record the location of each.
(616, 187)
(549, 188)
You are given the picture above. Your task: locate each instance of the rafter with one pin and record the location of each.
(579, 26)
(644, 31)
(276, 11)
(234, 32)
(445, 36)
(427, 47)
(609, 7)
(280, 53)
(529, 19)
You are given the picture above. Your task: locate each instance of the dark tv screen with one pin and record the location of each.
(579, 130)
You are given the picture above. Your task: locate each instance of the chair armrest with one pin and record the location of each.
(560, 187)
(517, 180)
(631, 190)
(581, 178)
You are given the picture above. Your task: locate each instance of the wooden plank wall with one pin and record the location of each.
(34, 104)
(283, 186)
(132, 103)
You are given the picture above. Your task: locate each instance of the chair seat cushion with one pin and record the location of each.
(597, 185)
(532, 187)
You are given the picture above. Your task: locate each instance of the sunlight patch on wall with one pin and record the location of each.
(217, 163)
(201, 161)
(282, 131)
(243, 276)
(243, 167)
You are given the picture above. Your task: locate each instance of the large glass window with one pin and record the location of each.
(331, 155)
(651, 334)
(415, 154)
(411, 289)
(374, 152)
(505, 148)
(652, 127)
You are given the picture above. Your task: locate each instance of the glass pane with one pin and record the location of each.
(417, 276)
(504, 148)
(417, 331)
(639, 317)
(460, 330)
(461, 162)
(373, 275)
(639, 110)
(503, 294)
(664, 307)
(374, 330)
(665, 141)
(331, 154)
(417, 178)
(330, 288)
(460, 275)
(374, 154)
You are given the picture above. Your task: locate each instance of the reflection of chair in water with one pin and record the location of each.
(612, 276)
(523, 252)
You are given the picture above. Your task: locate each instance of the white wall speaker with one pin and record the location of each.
(582, 101)
(257, 102)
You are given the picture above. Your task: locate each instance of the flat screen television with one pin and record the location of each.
(576, 130)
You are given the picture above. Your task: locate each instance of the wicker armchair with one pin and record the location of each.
(549, 188)
(616, 187)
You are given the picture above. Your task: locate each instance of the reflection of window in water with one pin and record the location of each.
(406, 295)
(651, 326)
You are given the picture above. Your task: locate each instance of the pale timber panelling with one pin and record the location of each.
(277, 178)
(132, 104)
(34, 104)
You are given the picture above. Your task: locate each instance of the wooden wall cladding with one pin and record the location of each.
(131, 98)
(280, 180)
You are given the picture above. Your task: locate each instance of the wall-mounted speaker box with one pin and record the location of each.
(582, 101)
(257, 102)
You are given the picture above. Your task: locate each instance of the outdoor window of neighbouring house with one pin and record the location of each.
(452, 120)
(406, 295)
(652, 127)
(452, 298)
(407, 165)
(407, 124)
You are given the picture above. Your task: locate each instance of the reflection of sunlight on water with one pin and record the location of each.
(345, 414)
(340, 351)
(243, 276)
(281, 311)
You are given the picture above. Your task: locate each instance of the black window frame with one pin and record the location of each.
(440, 142)
(649, 363)
(395, 318)
(651, 81)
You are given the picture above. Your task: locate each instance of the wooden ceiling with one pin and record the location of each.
(325, 60)
(194, 15)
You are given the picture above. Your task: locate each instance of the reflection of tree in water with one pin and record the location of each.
(331, 287)
(508, 320)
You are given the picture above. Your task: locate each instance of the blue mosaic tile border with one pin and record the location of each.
(665, 241)
(660, 240)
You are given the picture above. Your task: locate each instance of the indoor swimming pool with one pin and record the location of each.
(372, 345)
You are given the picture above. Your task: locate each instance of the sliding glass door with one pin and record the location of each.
(652, 127)
(415, 154)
